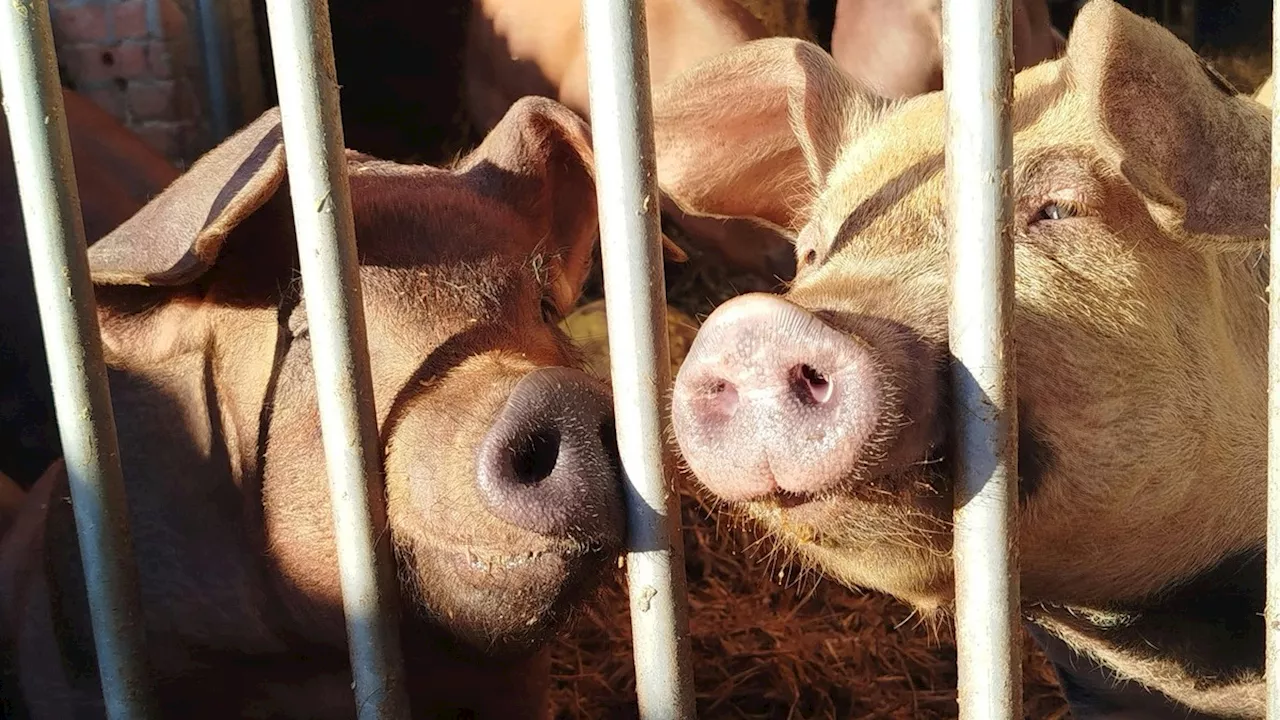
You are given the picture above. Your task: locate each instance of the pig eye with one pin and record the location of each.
(550, 313)
(1053, 211)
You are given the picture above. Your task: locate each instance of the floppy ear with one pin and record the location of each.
(738, 133)
(154, 260)
(1197, 150)
(754, 132)
(538, 159)
(177, 236)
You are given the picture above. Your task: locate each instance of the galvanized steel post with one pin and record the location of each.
(69, 320)
(306, 82)
(1272, 613)
(636, 312)
(977, 79)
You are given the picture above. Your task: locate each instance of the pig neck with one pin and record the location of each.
(1199, 645)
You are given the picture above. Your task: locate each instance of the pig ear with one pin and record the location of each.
(753, 132)
(539, 160)
(1197, 150)
(177, 236)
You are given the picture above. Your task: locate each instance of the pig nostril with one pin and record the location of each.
(722, 397)
(811, 385)
(535, 458)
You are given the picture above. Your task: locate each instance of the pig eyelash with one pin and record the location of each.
(1054, 210)
(550, 312)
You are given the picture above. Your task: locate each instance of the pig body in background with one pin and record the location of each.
(517, 48)
(502, 478)
(895, 48)
(1140, 199)
(116, 174)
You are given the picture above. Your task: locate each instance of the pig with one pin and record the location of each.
(1140, 201)
(116, 174)
(895, 48)
(502, 481)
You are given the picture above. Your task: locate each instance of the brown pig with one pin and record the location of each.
(502, 478)
(116, 174)
(1141, 206)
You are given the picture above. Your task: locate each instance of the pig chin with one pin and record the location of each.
(894, 542)
(502, 603)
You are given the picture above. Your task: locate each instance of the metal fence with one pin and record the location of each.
(978, 85)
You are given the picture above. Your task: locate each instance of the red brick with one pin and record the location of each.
(162, 137)
(131, 61)
(108, 98)
(159, 60)
(151, 100)
(131, 19)
(89, 64)
(85, 23)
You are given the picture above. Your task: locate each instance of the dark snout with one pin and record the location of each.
(549, 464)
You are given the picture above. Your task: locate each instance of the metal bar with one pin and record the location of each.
(1272, 612)
(306, 82)
(977, 81)
(636, 312)
(215, 76)
(68, 318)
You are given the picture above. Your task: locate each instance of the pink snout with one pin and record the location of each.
(771, 398)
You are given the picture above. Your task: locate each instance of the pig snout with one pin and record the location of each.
(549, 463)
(771, 400)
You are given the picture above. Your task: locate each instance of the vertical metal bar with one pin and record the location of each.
(1272, 613)
(977, 81)
(68, 318)
(306, 82)
(636, 312)
(211, 45)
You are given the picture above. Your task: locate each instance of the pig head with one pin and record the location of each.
(1140, 212)
(502, 480)
(116, 174)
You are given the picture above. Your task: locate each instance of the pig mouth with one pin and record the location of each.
(557, 557)
(560, 569)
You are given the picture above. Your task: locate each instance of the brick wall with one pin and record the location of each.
(137, 59)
